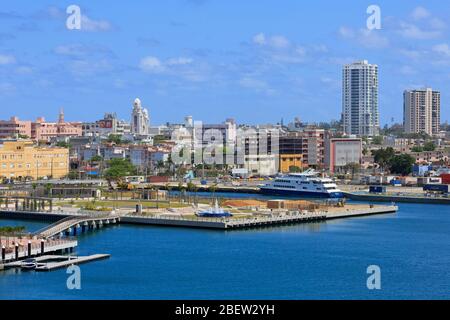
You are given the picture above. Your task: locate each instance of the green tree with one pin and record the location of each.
(401, 164)
(294, 169)
(429, 146)
(115, 138)
(416, 149)
(63, 144)
(383, 156)
(119, 168)
(378, 140)
(96, 158)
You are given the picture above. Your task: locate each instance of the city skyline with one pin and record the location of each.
(270, 64)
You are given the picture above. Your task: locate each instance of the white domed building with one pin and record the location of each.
(140, 120)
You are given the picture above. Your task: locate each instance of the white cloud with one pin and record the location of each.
(179, 61)
(151, 64)
(346, 32)
(442, 49)
(7, 59)
(420, 13)
(257, 85)
(276, 41)
(88, 24)
(279, 42)
(7, 88)
(411, 54)
(365, 37)
(260, 39)
(411, 31)
(407, 70)
(372, 39)
(70, 50)
(437, 23)
(24, 70)
(83, 68)
(180, 67)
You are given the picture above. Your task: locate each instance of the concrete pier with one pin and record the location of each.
(53, 262)
(211, 223)
(403, 198)
(258, 221)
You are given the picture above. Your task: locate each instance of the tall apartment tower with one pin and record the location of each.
(360, 114)
(422, 111)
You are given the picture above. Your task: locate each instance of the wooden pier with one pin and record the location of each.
(40, 249)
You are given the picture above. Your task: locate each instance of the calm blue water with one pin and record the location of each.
(323, 260)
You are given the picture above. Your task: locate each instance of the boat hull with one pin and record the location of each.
(309, 194)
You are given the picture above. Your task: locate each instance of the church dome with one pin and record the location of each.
(137, 102)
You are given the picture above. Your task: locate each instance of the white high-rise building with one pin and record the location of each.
(140, 120)
(421, 111)
(360, 99)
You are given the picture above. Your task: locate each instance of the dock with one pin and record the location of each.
(45, 247)
(68, 225)
(257, 221)
(53, 262)
(404, 198)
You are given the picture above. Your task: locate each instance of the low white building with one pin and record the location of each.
(340, 152)
(263, 165)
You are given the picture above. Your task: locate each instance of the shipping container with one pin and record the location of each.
(395, 182)
(441, 188)
(421, 181)
(377, 189)
(445, 178)
(158, 179)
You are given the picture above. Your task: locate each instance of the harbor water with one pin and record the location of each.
(326, 260)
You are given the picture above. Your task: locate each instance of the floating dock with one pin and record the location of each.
(53, 262)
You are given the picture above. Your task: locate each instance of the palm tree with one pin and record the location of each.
(34, 186)
(168, 188)
(212, 188)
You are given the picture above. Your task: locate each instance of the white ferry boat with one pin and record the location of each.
(302, 184)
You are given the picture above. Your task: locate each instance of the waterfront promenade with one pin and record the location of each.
(71, 221)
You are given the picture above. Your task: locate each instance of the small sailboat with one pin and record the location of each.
(214, 212)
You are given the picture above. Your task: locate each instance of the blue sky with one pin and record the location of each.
(256, 61)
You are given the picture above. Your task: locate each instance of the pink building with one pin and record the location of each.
(13, 127)
(41, 130)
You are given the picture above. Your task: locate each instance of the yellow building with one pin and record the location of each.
(290, 160)
(21, 159)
